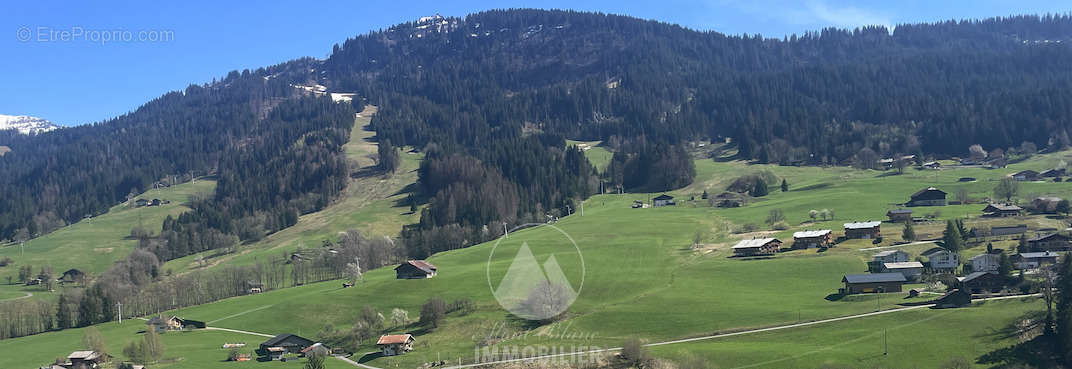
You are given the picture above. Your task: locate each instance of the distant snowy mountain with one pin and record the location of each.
(26, 124)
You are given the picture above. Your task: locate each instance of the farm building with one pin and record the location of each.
(278, 346)
(1045, 204)
(160, 323)
(891, 256)
(757, 246)
(1007, 230)
(1034, 260)
(254, 287)
(730, 200)
(663, 200)
(942, 260)
(1049, 242)
(978, 282)
(900, 215)
(1002, 210)
(85, 359)
(1026, 175)
(72, 275)
(875, 282)
(415, 269)
(395, 344)
(865, 230)
(929, 196)
(911, 270)
(932, 165)
(317, 348)
(812, 239)
(953, 299)
(1051, 173)
(986, 263)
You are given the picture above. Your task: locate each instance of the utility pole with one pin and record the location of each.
(582, 209)
(22, 248)
(506, 232)
(120, 306)
(885, 343)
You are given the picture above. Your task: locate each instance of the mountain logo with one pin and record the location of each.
(530, 289)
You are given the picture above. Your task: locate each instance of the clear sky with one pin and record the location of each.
(116, 56)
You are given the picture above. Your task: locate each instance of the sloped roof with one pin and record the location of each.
(1032, 255)
(862, 225)
(900, 211)
(973, 276)
(1002, 207)
(925, 190)
(934, 251)
(420, 264)
(903, 265)
(874, 278)
(1043, 237)
(810, 234)
(275, 341)
(753, 243)
(83, 355)
(663, 197)
(394, 339)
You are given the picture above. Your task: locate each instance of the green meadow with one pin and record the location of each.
(642, 277)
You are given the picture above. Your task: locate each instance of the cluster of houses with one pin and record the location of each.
(1031, 175)
(87, 359)
(891, 269)
(69, 276)
(279, 347)
(807, 239)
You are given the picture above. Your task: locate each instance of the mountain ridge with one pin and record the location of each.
(25, 124)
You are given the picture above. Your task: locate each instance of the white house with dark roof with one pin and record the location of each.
(986, 263)
(942, 260)
(891, 256)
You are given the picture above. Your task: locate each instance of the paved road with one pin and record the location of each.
(724, 335)
(672, 342)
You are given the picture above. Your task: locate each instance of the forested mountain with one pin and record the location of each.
(491, 98)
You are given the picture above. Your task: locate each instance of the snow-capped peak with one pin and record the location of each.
(26, 124)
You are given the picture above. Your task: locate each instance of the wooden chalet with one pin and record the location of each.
(1026, 175)
(812, 239)
(395, 344)
(71, 276)
(899, 215)
(1002, 210)
(911, 270)
(277, 347)
(929, 196)
(1051, 173)
(865, 230)
(757, 246)
(85, 359)
(953, 299)
(978, 282)
(415, 269)
(1050, 242)
(872, 283)
(663, 200)
(1034, 260)
(1006, 230)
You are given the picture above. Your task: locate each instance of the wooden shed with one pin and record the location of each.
(873, 283)
(757, 246)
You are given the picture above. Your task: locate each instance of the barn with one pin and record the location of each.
(757, 246)
(865, 230)
(872, 283)
(812, 239)
(415, 269)
(929, 196)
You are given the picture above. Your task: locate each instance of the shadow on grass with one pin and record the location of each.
(817, 186)
(369, 357)
(834, 297)
(1036, 353)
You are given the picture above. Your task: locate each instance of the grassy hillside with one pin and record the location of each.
(643, 278)
(93, 244)
(373, 203)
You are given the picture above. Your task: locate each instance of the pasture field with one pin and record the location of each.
(93, 244)
(643, 277)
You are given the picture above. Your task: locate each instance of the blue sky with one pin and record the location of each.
(83, 77)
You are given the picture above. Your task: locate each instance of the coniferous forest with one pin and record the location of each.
(492, 97)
